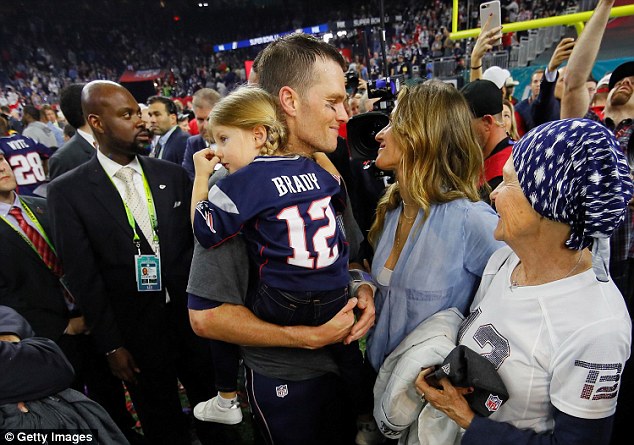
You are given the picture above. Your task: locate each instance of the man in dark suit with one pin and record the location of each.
(164, 123)
(112, 217)
(27, 284)
(203, 102)
(81, 147)
(33, 288)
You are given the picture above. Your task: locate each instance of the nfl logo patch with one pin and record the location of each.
(493, 403)
(281, 391)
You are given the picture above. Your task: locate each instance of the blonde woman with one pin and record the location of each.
(432, 236)
(285, 206)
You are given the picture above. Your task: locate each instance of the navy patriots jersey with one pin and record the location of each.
(286, 208)
(25, 156)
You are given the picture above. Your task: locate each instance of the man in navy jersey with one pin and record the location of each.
(292, 380)
(27, 158)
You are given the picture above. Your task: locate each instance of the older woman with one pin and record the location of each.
(546, 314)
(432, 236)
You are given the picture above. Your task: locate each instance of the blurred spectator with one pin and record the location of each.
(79, 148)
(36, 129)
(50, 119)
(509, 120)
(69, 132)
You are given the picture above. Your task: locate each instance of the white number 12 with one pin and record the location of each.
(319, 209)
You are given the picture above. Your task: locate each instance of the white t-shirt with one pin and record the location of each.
(562, 343)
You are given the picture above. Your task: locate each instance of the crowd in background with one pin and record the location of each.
(54, 48)
(451, 179)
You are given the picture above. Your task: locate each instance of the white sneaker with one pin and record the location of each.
(368, 433)
(211, 411)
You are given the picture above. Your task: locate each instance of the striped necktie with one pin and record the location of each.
(38, 241)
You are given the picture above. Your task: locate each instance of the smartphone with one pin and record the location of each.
(490, 10)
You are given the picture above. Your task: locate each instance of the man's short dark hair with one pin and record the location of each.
(289, 61)
(70, 104)
(69, 131)
(31, 111)
(170, 106)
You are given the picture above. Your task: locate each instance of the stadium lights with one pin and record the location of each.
(327, 37)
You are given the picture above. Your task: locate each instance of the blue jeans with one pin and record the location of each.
(313, 308)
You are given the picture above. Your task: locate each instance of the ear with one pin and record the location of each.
(95, 123)
(488, 120)
(288, 100)
(173, 119)
(260, 134)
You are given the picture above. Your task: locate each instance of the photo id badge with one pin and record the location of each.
(148, 272)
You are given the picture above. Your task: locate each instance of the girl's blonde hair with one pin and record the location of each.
(442, 160)
(246, 108)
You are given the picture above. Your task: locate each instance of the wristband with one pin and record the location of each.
(476, 67)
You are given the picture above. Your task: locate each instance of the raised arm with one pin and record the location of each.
(204, 162)
(483, 44)
(575, 100)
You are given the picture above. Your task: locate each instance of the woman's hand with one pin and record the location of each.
(449, 399)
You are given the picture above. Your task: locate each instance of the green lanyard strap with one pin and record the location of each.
(151, 211)
(37, 225)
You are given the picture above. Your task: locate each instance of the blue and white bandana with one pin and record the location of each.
(573, 171)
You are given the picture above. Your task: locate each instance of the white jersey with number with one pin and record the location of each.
(563, 343)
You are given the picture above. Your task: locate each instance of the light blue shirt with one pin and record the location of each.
(440, 267)
(57, 132)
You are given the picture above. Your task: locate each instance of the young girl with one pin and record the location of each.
(285, 205)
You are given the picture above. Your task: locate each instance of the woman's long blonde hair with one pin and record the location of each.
(442, 160)
(246, 108)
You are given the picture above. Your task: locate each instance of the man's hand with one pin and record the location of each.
(22, 407)
(122, 365)
(366, 310)
(561, 54)
(10, 338)
(334, 330)
(76, 326)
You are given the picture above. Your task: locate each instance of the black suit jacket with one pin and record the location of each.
(73, 153)
(94, 241)
(194, 144)
(174, 149)
(26, 283)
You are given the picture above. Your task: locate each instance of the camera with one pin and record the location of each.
(363, 128)
(352, 82)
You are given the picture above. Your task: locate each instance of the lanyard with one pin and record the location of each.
(37, 225)
(151, 211)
